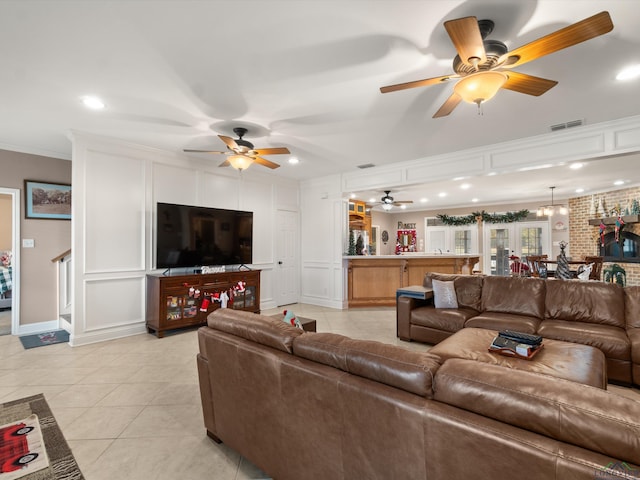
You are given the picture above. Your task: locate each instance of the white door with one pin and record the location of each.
(287, 272)
(520, 239)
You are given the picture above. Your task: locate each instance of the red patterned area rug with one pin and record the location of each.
(32, 446)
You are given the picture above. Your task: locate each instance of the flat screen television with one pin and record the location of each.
(189, 236)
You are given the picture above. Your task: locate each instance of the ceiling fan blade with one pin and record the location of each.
(400, 202)
(225, 163)
(265, 163)
(523, 83)
(586, 29)
(272, 151)
(418, 83)
(230, 142)
(448, 106)
(466, 37)
(203, 151)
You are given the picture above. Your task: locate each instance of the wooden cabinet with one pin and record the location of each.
(179, 301)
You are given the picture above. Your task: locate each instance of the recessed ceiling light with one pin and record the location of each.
(92, 102)
(424, 200)
(492, 174)
(465, 186)
(442, 194)
(371, 200)
(353, 195)
(474, 200)
(629, 73)
(294, 161)
(619, 182)
(579, 190)
(403, 206)
(457, 179)
(576, 165)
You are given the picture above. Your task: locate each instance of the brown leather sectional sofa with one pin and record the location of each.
(303, 405)
(602, 315)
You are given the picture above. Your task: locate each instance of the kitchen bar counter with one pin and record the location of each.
(374, 280)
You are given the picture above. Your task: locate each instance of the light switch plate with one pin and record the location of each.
(28, 243)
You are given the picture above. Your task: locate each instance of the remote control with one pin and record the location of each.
(521, 337)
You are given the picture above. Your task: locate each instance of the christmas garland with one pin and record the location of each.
(508, 217)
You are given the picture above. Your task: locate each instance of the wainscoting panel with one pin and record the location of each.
(220, 191)
(446, 168)
(114, 226)
(628, 139)
(174, 184)
(114, 302)
(548, 151)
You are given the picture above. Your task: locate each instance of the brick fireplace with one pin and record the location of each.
(584, 238)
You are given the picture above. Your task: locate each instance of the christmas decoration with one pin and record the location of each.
(352, 244)
(603, 228)
(508, 217)
(563, 271)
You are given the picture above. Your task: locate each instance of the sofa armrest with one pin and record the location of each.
(404, 305)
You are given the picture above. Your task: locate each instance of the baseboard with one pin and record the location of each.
(324, 302)
(31, 328)
(104, 335)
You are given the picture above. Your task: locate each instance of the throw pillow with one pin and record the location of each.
(444, 294)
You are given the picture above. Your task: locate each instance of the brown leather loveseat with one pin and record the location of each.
(303, 405)
(598, 314)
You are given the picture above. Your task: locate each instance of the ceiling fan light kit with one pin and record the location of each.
(242, 154)
(480, 63)
(480, 87)
(240, 162)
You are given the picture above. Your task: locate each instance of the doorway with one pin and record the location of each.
(287, 271)
(9, 260)
(520, 239)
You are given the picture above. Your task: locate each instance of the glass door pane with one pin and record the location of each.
(462, 242)
(499, 241)
(531, 241)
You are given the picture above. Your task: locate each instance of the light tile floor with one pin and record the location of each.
(130, 408)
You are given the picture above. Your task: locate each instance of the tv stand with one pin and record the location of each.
(180, 301)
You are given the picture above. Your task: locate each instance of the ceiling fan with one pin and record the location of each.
(388, 202)
(484, 65)
(241, 153)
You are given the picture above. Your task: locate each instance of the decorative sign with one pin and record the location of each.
(406, 226)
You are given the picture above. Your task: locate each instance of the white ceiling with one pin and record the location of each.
(306, 75)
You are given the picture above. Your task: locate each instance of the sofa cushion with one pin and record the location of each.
(468, 287)
(632, 306)
(504, 321)
(257, 328)
(517, 295)
(578, 414)
(586, 302)
(613, 341)
(449, 320)
(570, 361)
(380, 362)
(444, 294)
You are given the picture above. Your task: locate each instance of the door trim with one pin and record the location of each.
(15, 248)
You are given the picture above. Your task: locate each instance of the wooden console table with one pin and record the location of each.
(179, 301)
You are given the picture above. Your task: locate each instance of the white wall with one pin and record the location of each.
(116, 186)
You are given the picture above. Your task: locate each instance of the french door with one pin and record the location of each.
(502, 240)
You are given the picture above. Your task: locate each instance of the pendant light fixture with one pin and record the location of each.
(551, 209)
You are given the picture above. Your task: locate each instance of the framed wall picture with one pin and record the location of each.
(47, 201)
